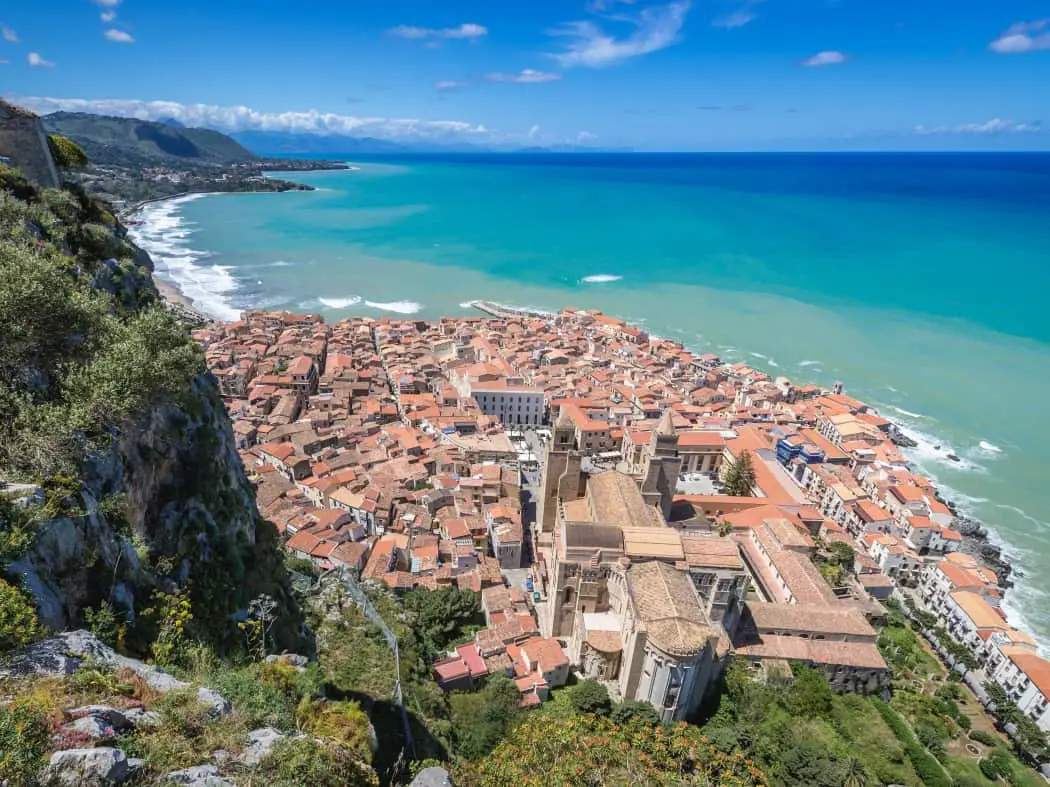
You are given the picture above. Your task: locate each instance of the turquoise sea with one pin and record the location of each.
(920, 281)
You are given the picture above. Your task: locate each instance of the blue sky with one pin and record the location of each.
(652, 74)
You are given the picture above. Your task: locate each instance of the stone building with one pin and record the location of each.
(24, 142)
(561, 472)
(654, 643)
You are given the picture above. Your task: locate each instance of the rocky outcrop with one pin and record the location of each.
(186, 503)
(97, 767)
(64, 654)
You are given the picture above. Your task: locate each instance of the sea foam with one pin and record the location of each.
(402, 307)
(990, 447)
(340, 303)
(600, 278)
(165, 234)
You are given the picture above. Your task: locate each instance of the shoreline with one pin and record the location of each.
(175, 299)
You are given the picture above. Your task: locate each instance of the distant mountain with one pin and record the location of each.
(281, 143)
(135, 143)
(173, 122)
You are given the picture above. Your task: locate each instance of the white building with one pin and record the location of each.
(513, 404)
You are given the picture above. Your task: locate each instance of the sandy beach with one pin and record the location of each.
(178, 302)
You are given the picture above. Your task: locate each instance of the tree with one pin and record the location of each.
(807, 764)
(634, 711)
(739, 480)
(66, 153)
(439, 617)
(590, 697)
(842, 554)
(480, 719)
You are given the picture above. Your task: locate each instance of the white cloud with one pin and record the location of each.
(449, 84)
(599, 6)
(233, 119)
(119, 36)
(36, 61)
(8, 34)
(993, 126)
(826, 58)
(735, 19)
(4, 62)
(586, 136)
(744, 15)
(525, 76)
(1023, 37)
(533, 132)
(656, 28)
(108, 16)
(469, 31)
(108, 3)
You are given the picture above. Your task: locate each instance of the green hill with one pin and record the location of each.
(135, 143)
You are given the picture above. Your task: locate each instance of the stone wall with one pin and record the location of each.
(22, 139)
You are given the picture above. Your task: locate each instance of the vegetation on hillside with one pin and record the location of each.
(66, 153)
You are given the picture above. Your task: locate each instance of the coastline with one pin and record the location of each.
(169, 289)
(992, 546)
(176, 301)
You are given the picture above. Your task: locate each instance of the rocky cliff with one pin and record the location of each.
(107, 412)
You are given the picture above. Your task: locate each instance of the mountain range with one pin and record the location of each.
(136, 143)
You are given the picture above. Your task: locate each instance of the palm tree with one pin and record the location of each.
(856, 775)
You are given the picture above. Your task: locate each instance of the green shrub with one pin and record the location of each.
(341, 723)
(297, 762)
(24, 738)
(984, 737)
(103, 622)
(18, 621)
(634, 711)
(590, 696)
(926, 767)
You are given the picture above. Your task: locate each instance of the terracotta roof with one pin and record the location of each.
(665, 602)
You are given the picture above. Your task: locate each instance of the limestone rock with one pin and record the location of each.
(63, 654)
(197, 776)
(432, 777)
(142, 718)
(260, 744)
(289, 659)
(86, 768)
(111, 717)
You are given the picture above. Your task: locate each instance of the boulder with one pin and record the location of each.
(289, 659)
(432, 777)
(111, 717)
(91, 727)
(86, 768)
(260, 744)
(142, 718)
(197, 776)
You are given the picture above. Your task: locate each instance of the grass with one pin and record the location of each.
(872, 742)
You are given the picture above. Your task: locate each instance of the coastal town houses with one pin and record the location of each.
(395, 447)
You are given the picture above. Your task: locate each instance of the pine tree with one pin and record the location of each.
(740, 477)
